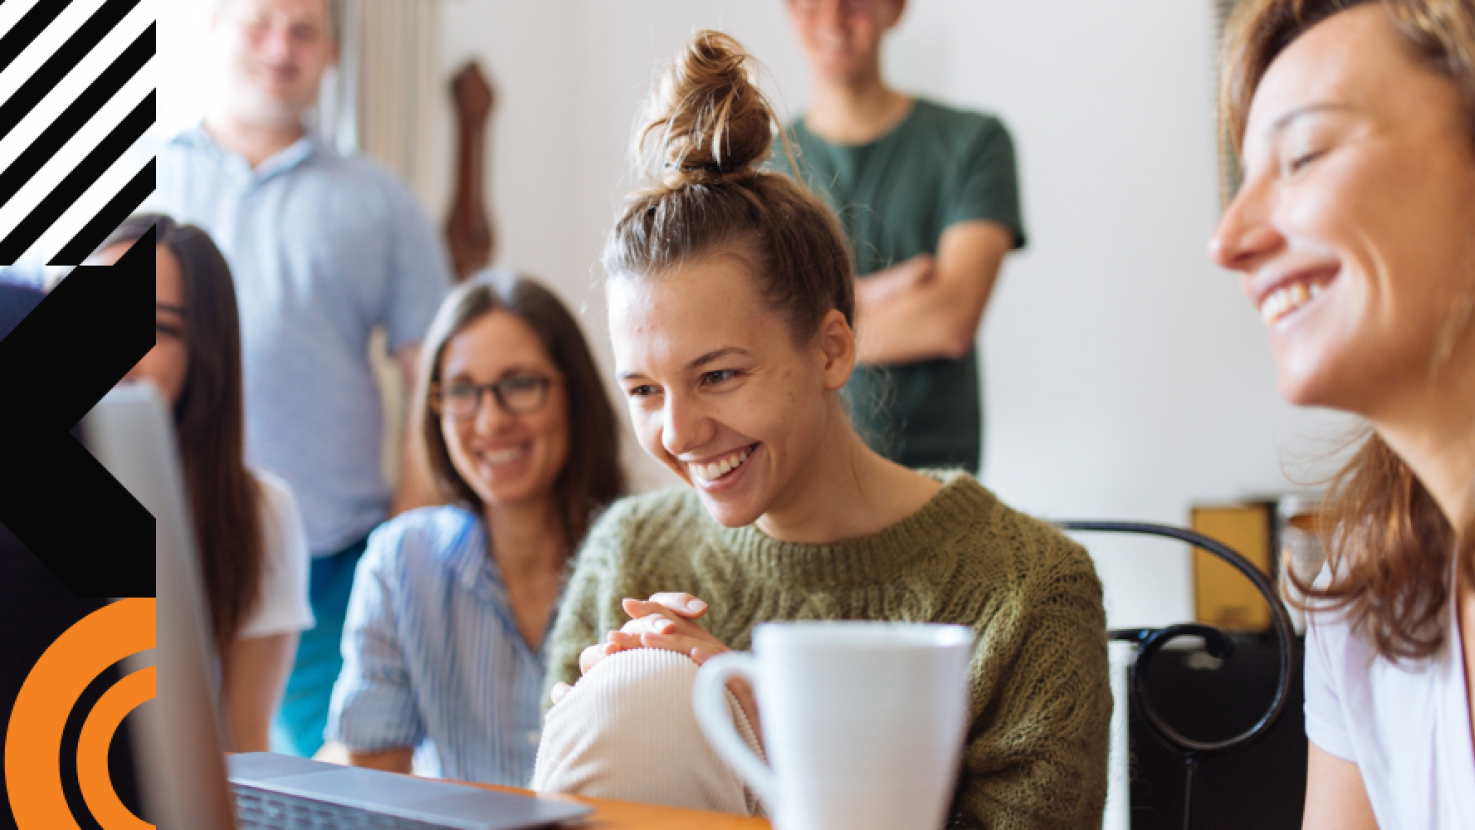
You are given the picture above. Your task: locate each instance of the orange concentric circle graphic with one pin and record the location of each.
(51, 690)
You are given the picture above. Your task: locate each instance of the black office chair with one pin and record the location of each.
(1151, 640)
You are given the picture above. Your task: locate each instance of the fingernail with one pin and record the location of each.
(695, 605)
(664, 625)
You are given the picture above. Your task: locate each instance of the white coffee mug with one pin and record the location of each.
(863, 722)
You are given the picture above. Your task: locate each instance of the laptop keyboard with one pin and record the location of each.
(265, 810)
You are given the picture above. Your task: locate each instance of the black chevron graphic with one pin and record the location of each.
(47, 471)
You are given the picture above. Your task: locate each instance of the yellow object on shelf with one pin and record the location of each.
(1222, 596)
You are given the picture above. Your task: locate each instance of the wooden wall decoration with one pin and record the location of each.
(468, 228)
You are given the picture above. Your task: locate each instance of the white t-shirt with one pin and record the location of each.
(1406, 725)
(283, 606)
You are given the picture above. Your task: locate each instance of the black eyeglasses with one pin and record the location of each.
(515, 394)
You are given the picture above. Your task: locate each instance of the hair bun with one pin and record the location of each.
(708, 121)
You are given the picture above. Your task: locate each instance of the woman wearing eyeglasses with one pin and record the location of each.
(251, 540)
(444, 642)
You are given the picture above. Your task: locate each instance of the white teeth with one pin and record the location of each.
(504, 456)
(1271, 308)
(1288, 298)
(720, 468)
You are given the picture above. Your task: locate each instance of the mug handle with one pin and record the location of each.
(709, 700)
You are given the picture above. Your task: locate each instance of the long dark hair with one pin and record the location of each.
(209, 420)
(1389, 544)
(592, 476)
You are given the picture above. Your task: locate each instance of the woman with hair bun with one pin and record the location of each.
(731, 306)
(1355, 124)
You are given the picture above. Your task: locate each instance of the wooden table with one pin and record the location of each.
(609, 814)
(628, 815)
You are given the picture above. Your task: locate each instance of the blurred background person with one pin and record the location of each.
(451, 605)
(325, 248)
(1355, 123)
(929, 201)
(252, 545)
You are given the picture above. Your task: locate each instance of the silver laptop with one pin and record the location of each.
(178, 737)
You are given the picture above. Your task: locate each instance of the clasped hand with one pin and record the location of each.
(666, 621)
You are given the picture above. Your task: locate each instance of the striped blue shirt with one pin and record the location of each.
(432, 656)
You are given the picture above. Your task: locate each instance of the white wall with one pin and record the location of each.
(187, 70)
(1126, 377)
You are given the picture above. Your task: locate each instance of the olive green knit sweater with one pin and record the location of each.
(1041, 702)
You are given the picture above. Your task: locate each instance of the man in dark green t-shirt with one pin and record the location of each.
(929, 198)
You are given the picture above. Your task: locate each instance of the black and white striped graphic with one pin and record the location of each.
(77, 96)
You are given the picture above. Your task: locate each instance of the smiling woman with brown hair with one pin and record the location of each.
(731, 306)
(444, 647)
(1352, 232)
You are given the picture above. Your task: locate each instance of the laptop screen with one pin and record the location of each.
(177, 736)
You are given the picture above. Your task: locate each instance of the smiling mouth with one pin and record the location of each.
(1289, 298)
(507, 456)
(723, 466)
(280, 76)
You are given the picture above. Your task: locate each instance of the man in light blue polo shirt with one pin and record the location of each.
(324, 248)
